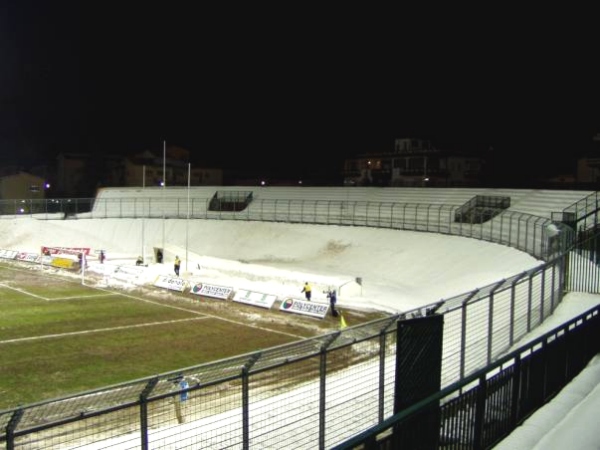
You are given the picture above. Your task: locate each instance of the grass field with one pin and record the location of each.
(59, 337)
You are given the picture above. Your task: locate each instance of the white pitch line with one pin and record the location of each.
(237, 322)
(23, 292)
(81, 296)
(99, 330)
(183, 309)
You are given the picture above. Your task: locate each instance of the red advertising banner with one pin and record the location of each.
(65, 250)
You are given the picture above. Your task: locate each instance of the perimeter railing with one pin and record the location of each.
(480, 410)
(539, 236)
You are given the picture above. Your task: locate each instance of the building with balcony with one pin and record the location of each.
(413, 162)
(588, 166)
(22, 192)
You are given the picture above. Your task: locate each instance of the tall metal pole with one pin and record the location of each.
(163, 193)
(188, 219)
(83, 263)
(143, 217)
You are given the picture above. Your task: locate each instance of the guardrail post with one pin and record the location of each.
(144, 412)
(246, 401)
(10, 429)
(480, 413)
(515, 406)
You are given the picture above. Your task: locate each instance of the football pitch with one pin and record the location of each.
(59, 337)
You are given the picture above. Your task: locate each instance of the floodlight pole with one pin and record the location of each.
(143, 217)
(163, 194)
(187, 219)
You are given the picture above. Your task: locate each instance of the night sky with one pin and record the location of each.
(291, 92)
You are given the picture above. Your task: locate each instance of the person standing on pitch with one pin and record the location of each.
(307, 291)
(332, 296)
(177, 265)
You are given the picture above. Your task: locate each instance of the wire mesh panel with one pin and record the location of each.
(476, 338)
(452, 350)
(288, 415)
(500, 323)
(210, 417)
(120, 426)
(521, 307)
(355, 396)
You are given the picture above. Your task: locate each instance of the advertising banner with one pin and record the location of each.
(8, 254)
(210, 290)
(28, 257)
(127, 274)
(65, 250)
(255, 298)
(63, 263)
(304, 307)
(130, 270)
(173, 284)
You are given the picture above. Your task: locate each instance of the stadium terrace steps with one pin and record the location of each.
(416, 209)
(119, 200)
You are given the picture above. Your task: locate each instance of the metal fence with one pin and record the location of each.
(315, 393)
(45, 208)
(482, 409)
(539, 236)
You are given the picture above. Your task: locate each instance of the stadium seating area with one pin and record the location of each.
(531, 201)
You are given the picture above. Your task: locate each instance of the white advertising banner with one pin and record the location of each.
(171, 283)
(304, 307)
(210, 290)
(29, 257)
(130, 270)
(122, 273)
(255, 298)
(8, 254)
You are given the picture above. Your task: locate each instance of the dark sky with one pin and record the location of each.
(294, 91)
